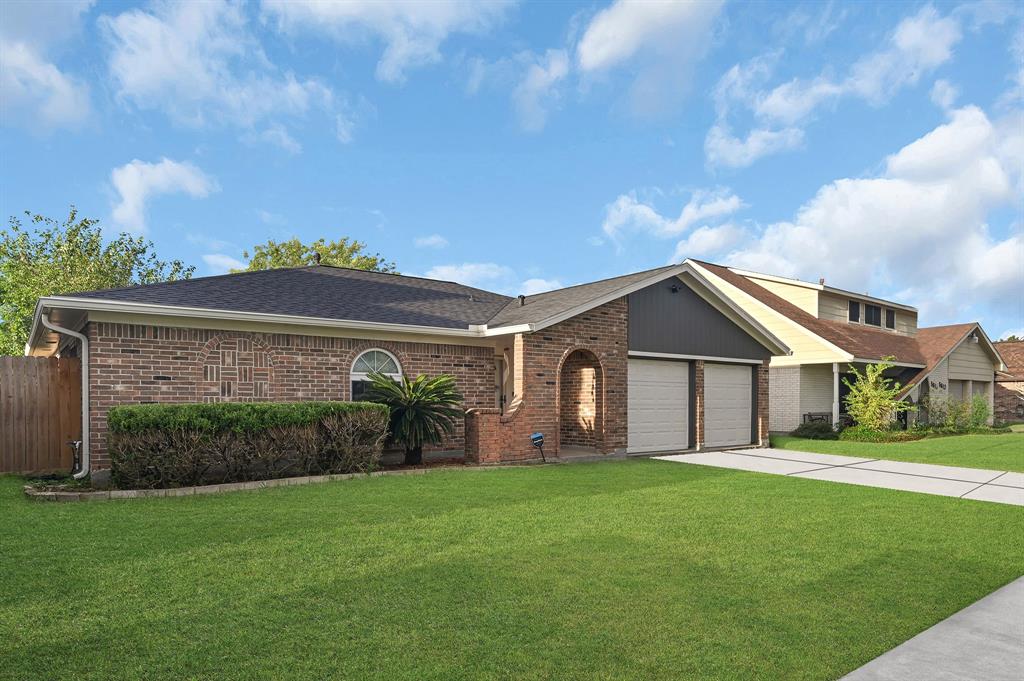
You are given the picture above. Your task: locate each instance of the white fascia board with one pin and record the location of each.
(822, 287)
(207, 313)
(846, 356)
(776, 278)
(911, 365)
(640, 354)
(505, 330)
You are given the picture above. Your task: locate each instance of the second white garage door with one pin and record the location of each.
(727, 408)
(658, 403)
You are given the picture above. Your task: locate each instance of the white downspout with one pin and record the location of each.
(85, 390)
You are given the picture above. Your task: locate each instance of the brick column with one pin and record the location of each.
(698, 382)
(762, 403)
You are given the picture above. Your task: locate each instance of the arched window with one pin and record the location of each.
(373, 360)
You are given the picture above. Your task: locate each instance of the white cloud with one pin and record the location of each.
(1018, 332)
(920, 227)
(478, 274)
(432, 241)
(268, 218)
(34, 92)
(628, 213)
(491, 277)
(220, 263)
(412, 31)
(707, 241)
(200, 64)
(278, 136)
(919, 44)
(137, 182)
(659, 41)
(944, 94)
(533, 286)
(722, 149)
(537, 92)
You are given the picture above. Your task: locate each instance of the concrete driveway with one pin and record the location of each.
(967, 483)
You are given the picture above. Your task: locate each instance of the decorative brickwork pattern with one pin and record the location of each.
(235, 369)
(537, 373)
(133, 364)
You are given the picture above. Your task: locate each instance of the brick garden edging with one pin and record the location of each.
(104, 495)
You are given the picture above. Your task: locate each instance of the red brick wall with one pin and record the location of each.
(539, 358)
(762, 404)
(580, 400)
(698, 410)
(1007, 396)
(132, 364)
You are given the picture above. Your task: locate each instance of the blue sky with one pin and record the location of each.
(519, 147)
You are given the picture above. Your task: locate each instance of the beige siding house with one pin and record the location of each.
(829, 330)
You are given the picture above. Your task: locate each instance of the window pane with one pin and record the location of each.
(362, 365)
(890, 319)
(873, 315)
(359, 390)
(854, 311)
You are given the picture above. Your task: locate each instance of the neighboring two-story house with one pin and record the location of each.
(830, 329)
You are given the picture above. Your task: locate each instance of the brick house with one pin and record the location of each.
(653, 361)
(1009, 390)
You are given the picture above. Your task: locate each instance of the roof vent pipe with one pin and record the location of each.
(821, 281)
(522, 300)
(45, 319)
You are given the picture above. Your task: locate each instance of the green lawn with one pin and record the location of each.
(997, 452)
(632, 569)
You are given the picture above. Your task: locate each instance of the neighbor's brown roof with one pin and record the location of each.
(935, 343)
(1012, 353)
(861, 342)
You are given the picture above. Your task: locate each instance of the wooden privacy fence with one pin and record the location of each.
(40, 410)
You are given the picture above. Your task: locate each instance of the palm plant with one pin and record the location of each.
(423, 410)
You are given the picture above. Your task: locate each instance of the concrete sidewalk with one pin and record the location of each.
(982, 642)
(968, 483)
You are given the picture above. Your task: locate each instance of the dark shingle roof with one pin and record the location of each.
(325, 292)
(543, 306)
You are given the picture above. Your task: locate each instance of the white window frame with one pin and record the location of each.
(363, 376)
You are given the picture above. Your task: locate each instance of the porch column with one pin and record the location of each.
(968, 391)
(835, 394)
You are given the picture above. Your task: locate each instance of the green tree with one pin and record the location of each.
(423, 410)
(294, 253)
(1012, 338)
(873, 400)
(64, 257)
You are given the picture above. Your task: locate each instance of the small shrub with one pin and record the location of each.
(979, 412)
(873, 400)
(174, 445)
(866, 434)
(816, 430)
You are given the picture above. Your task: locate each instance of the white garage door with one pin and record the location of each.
(658, 403)
(727, 404)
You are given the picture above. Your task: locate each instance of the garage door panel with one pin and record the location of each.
(658, 405)
(727, 404)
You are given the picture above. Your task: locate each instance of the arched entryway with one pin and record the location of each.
(581, 403)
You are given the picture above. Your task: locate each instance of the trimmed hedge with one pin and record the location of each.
(865, 434)
(174, 445)
(816, 430)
